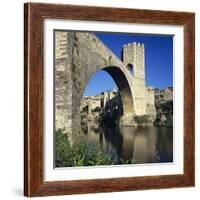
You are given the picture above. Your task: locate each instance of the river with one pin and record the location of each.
(141, 144)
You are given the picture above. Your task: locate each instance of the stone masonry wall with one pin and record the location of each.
(63, 81)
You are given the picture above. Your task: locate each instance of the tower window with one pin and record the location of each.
(130, 68)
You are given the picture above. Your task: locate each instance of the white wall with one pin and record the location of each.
(11, 101)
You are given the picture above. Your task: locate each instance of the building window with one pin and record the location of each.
(130, 68)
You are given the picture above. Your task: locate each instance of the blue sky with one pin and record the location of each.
(158, 60)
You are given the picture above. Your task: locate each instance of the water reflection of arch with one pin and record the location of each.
(114, 138)
(144, 147)
(165, 145)
(139, 144)
(109, 137)
(127, 146)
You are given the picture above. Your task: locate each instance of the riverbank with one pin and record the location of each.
(82, 153)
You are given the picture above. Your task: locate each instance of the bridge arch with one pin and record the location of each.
(122, 83)
(78, 56)
(124, 88)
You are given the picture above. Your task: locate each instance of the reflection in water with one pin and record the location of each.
(141, 144)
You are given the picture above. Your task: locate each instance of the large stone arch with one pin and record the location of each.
(78, 56)
(122, 83)
(124, 88)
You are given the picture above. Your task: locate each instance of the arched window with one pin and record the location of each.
(130, 68)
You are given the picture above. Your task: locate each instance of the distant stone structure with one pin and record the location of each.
(162, 96)
(106, 104)
(78, 56)
(164, 106)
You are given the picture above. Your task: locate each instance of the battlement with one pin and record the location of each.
(133, 58)
(133, 44)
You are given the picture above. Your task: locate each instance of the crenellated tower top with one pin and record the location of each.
(133, 58)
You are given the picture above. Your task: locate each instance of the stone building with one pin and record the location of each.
(165, 95)
(164, 106)
(150, 102)
(104, 104)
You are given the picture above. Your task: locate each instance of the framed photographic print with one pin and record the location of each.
(109, 99)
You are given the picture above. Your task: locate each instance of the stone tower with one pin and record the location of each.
(134, 60)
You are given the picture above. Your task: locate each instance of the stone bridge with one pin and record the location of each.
(78, 56)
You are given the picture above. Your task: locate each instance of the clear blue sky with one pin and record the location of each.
(158, 60)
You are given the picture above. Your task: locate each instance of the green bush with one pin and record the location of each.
(130, 161)
(62, 146)
(141, 119)
(79, 154)
(169, 121)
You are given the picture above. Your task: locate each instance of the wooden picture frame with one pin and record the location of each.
(34, 15)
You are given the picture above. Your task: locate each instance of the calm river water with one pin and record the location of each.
(141, 144)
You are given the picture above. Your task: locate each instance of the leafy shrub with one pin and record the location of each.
(62, 146)
(169, 121)
(79, 154)
(141, 119)
(130, 161)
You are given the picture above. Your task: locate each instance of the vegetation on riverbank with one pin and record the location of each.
(81, 153)
(164, 121)
(142, 120)
(169, 121)
(164, 114)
